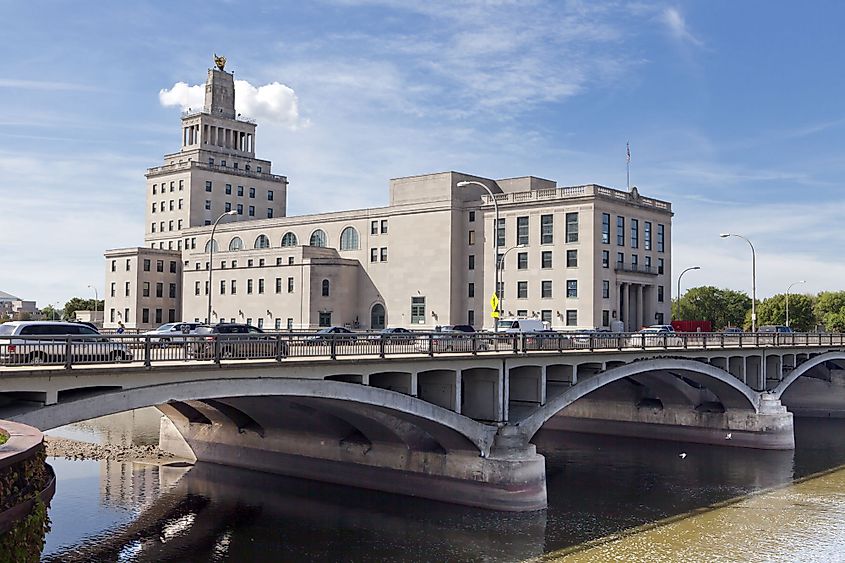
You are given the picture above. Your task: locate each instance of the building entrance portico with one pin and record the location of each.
(637, 305)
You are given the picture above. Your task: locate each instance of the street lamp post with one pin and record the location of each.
(499, 264)
(96, 303)
(211, 260)
(753, 279)
(495, 246)
(787, 297)
(679, 289)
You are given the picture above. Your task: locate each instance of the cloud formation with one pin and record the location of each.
(674, 21)
(273, 102)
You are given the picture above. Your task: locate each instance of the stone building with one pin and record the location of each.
(575, 257)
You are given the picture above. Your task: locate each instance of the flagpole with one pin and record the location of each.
(628, 165)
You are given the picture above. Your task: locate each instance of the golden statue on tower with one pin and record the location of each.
(219, 61)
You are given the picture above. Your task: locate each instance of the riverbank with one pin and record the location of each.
(78, 451)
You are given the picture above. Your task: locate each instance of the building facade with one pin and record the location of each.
(575, 257)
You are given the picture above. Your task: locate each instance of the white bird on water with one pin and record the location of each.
(682, 455)
(729, 436)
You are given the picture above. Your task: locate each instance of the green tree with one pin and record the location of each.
(830, 310)
(772, 311)
(722, 307)
(79, 304)
(49, 312)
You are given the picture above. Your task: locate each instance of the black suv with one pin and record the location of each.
(237, 341)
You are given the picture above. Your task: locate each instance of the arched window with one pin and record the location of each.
(318, 238)
(349, 239)
(236, 244)
(289, 239)
(262, 242)
(208, 246)
(377, 316)
(326, 287)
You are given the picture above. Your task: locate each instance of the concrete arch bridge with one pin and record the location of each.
(457, 427)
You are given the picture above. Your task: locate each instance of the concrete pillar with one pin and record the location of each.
(623, 304)
(640, 317)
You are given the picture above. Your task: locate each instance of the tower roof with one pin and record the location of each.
(220, 93)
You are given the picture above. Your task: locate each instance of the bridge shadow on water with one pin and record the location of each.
(596, 486)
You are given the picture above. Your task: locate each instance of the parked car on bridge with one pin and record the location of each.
(236, 341)
(44, 342)
(774, 328)
(167, 332)
(337, 334)
(397, 335)
(450, 339)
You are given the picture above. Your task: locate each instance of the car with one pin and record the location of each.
(520, 325)
(731, 330)
(397, 335)
(236, 341)
(166, 332)
(658, 329)
(337, 334)
(44, 342)
(447, 339)
(774, 328)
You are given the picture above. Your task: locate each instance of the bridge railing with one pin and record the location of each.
(69, 351)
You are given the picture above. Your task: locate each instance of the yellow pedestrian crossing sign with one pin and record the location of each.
(494, 306)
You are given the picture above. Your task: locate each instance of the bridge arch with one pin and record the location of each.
(732, 392)
(451, 427)
(804, 368)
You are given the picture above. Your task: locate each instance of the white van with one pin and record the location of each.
(521, 325)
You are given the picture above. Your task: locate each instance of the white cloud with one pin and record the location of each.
(677, 26)
(273, 102)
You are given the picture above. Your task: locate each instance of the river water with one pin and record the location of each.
(610, 499)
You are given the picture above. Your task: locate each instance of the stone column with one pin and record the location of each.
(639, 317)
(622, 302)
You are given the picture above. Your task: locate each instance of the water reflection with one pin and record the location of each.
(597, 486)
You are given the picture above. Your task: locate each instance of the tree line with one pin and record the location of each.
(726, 307)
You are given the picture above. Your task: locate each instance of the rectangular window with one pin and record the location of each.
(605, 318)
(660, 294)
(181, 201)
(571, 289)
(252, 211)
(571, 317)
(522, 230)
(383, 254)
(222, 287)
(112, 288)
(620, 260)
(196, 288)
(471, 262)
(145, 315)
(374, 255)
(605, 228)
(470, 290)
(635, 261)
(145, 289)
(522, 261)
(114, 264)
(472, 216)
(278, 285)
(252, 193)
(261, 322)
(260, 285)
(635, 233)
(228, 189)
(159, 265)
(501, 290)
(159, 289)
(269, 212)
(171, 315)
(290, 285)
(233, 288)
(155, 206)
(546, 317)
(572, 227)
(325, 318)
(373, 227)
(278, 324)
(605, 259)
(500, 235)
(522, 313)
(249, 287)
(170, 226)
(471, 317)
(181, 185)
(290, 260)
(384, 226)
(171, 205)
(471, 238)
(660, 266)
(620, 231)
(111, 315)
(227, 207)
(172, 290)
(208, 185)
(605, 289)
(417, 310)
(547, 229)
(158, 316)
(240, 209)
(179, 226)
(660, 240)
(240, 191)
(155, 188)
(269, 195)
(546, 289)
(546, 259)
(522, 290)
(172, 266)
(152, 228)
(571, 258)
(647, 235)
(648, 264)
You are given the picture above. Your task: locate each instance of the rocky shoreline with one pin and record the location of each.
(77, 450)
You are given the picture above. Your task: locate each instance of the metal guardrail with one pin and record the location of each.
(70, 351)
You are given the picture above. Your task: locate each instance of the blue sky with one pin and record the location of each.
(734, 112)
